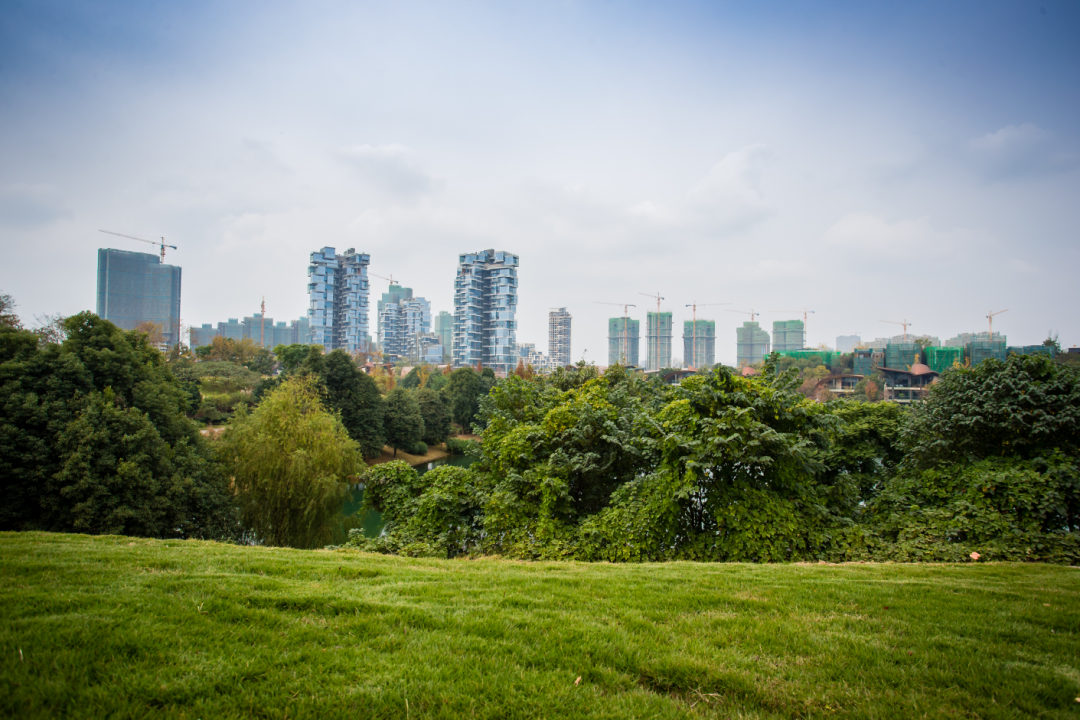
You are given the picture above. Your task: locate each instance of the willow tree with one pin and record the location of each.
(291, 462)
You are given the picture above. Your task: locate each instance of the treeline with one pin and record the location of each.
(731, 468)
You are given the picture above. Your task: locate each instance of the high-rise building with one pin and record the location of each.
(658, 336)
(338, 299)
(847, 343)
(559, 337)
(402, 320)
(752, 343)
(269, 335)
(788, 335)
(444, 328)
(135, 288)
(485, 306)
(699, 344)
(624, 341)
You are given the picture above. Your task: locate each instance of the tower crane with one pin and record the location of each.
(382, 277)
(693, 349)
(805, 314)
(161, 244)
(905, 323)
(625, 325)
(990, 317)
(752, 313)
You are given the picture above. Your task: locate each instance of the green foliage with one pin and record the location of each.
(291, 463)
(354, 395)
(94, 438)
(419, 448)
(8, 318)
(463, 392)
(436, 416)
(457, 446)
(1026, 407)
(403, 421)
(290, 356)
(1003, 509)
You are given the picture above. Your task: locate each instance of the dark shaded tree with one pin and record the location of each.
(436, 416)
(354, 395)
(403, 422)
(463, 392)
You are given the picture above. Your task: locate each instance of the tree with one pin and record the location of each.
(404, 423)
(1025, 407)
(50, 328)
(463, 392)
(152, 330)
(1053, 342)
(356, 398)
(8, 318)
(290, 356)
(291, 462)
(436, 416)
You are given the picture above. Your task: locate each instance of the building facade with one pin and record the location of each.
(788, 335)
(485, 309)
(752, 343)
(135, 288)
(444, 328)
(699, 343)
(338, 294)
(403, 319)
(658, 327)
(624, 341)
(559, 337)
(847, 343)
(268, 335)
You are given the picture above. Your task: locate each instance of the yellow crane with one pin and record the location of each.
(905, 323)
(654, 352)
(161, 244)
(626, 323)
(990, 317)
(693, 348)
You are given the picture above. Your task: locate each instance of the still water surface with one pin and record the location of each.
(371, 521)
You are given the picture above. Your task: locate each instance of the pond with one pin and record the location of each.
(370, 521)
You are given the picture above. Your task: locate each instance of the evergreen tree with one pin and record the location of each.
(463, 393)
(404, 423)
(356, 397)
(436, 416)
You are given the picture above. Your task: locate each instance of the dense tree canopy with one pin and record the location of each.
(404, 422)
(436, 416)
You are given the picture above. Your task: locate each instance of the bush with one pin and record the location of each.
(457, 446)
(420, 448)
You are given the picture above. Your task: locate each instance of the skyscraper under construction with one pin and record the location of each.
(699, 343)
(624, 336)
(752, 343)
(658, 337)
(559, 337)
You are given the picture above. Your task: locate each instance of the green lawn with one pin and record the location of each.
(121, 627)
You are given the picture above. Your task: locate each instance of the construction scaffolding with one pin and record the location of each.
(984, 348)
(902, 355)
(940, 359)
(1032, 350)
(752, 343)
(658, 327)
(867, 360)
(788, 335)
(624, 339)
(827, 358)
(699, 343)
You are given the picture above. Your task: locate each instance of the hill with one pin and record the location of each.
(126, 627)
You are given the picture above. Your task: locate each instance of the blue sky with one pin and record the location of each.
(869, 161)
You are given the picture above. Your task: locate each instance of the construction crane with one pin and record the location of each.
(161, 244)
(625, 325)
(990, 317)
(693, 349)
(905, 323)
(752, 313)
(262, 323)
(381, 277)
(805, 315)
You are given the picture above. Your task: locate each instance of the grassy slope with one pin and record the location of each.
(122, 627)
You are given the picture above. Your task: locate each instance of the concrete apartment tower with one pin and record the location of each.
(658, 337)
(135, 287)
(624, 341)
(338, 294)
(485, 309)
(788, 335)
(559, 337)
(699, 343)
(752, 343)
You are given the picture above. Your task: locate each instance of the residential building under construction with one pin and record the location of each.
(699, 343)
(559, 337)
(624, 338)
(265, 333)
(752, 343)
(658, 326)
(788, 335)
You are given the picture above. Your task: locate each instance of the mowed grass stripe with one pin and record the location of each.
(122, 627)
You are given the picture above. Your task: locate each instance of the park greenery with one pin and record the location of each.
(100, 434)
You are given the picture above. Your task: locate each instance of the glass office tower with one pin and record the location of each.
(135, 287)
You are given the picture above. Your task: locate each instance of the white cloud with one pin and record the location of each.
(729, 198)
(869, 237)
(392, 169)
(26, 205)
(1019, 150)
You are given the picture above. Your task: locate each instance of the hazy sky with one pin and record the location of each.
(869, 161)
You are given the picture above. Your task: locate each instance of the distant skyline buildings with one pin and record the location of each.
(338, 299)
(402, 319)
(135, 288)
(485, 307)
(559, 337)
(658, 338)
(624, 341)
(267, 334)
(699, 343)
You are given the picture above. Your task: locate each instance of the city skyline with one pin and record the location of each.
(887, 162)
